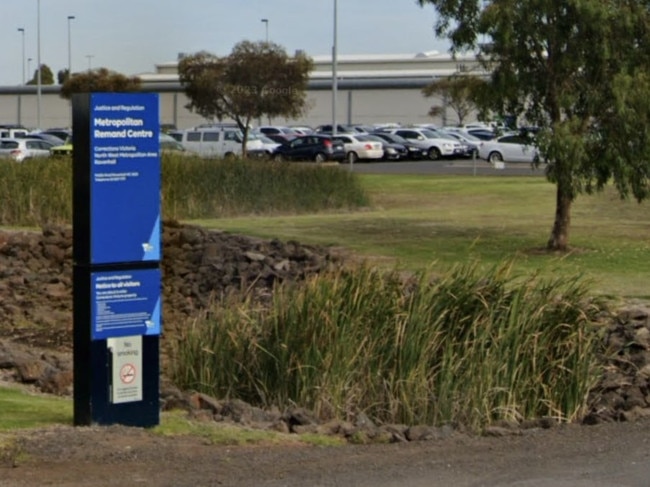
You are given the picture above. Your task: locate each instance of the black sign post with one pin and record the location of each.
(116, 252)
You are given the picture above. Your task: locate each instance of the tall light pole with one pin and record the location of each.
(89, 56)
(22, 31)
(38, 64)
(70, 18)
(266, 24)
(20, 98)
(29, 65)
(334, 75)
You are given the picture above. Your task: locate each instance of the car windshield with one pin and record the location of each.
(429, 134)
(370, 137)
(397, 138)
(444, 135)
(469, 137)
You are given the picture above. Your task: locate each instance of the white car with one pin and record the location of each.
(437, 146)
(360, 146)
(269, 145)
(22, 149)
(509, 148)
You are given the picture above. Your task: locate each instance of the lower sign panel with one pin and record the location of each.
(126, 358)
(125, 303)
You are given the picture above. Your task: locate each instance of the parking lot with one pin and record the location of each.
(465, 167)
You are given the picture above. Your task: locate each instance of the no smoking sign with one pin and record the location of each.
(127, 373)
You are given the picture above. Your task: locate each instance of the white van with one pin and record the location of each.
(220, 142)
(11, 133)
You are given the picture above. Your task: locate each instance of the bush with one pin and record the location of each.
(39, 191)
(467, 347)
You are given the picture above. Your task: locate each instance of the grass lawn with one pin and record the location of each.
(417, 222)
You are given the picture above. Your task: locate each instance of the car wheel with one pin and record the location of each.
(352, 157)
(320, 157)
(229, 156)
(495, 157)
(433, 154)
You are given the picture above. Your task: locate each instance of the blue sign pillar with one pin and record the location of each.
(116, 252)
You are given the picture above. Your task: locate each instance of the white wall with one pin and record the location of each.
(364, 106)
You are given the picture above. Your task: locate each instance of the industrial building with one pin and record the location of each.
(382, 88)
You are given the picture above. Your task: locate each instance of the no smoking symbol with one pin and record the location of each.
(127, 373)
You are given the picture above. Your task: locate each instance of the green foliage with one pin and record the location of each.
(458, 91)
(62, 76)
(47, 77)
(98, 80)
(561, 66)
(35, 192)
(468, 346)
(23, 410)
(39, 191)
(256, 81)
(204, 188)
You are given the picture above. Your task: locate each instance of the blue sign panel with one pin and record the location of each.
(125, 303)
(125, 178)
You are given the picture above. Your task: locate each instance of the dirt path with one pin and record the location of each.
(602, 455)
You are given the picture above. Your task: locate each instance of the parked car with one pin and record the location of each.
(392, 150)
(170, 144)
(314, 147)
(359, 147)
(302, 129)
(220, 141)
(340, 129)
(9, 132)
(414, 152)
(63, 149)
(509, 148)
(20, 150)
(269, 145)
(280, 131)
(483, 134)
(469, 142)
(43, 136)
(61, 133)
(278, 139)
(435, 145)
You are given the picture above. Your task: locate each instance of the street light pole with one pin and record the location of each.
(89, 56)
(22, 31)
(70, 18)
(334, 74)
(29, 65)
(38, 62)
(266, 24)
(20, 98)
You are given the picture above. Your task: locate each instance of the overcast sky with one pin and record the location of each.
(132, 36)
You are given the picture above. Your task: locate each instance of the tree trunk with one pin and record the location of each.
(560, 234)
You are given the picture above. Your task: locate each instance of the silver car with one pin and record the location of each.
(20, 150)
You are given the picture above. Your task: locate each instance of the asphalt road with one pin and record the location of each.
(465, 167)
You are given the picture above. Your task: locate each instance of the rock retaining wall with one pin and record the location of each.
(198, 265)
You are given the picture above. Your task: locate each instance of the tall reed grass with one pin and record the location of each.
(466, 347)
(203, 188)
(35, 192)
(39, 191)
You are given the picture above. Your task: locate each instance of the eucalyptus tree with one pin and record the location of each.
(257, 79)
(578, 69)
(459, 92)
(98, 80)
